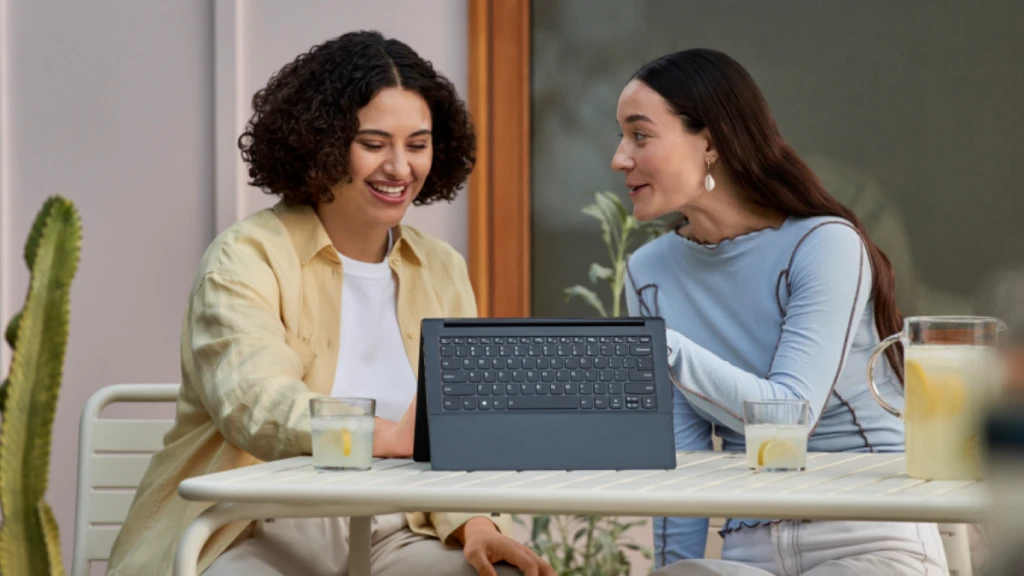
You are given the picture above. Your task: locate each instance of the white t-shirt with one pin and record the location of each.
(372, 362)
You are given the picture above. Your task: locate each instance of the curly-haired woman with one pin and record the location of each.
(322, 295)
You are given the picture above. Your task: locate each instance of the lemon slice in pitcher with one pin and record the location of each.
(776, 452)
(917, 393)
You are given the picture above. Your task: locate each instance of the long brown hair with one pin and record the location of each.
(708, 89)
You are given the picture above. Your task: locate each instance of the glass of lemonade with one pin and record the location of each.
(775, 432)
(951, 371)
(342, 433)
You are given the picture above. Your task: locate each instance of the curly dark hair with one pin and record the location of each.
(297, 142)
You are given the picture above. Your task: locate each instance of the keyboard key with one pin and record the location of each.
(631, 339)
(618, 339)
(450, 364)
(543, 364)
(446, 341)
(452, 404)
(529, 363)
(648, 402)
(472, 341)
(607, 350)
(476, 351)
(475, 376)
(569, 388)
(641, 376)
(586, 363)
(586, 403)
(576, 376)
(607, 376)
(621, 375)
(498, 404)
(593, 350)
(483, 363)
(562, 376)
(555, 389)
(557, 363)
(540, 389)
(483, 390)
(615, 388)
(450, 377)
(639, 388)
(586, 388)
(591, 376)
(645, 339)
(632, 405)
(606, 339)
(591, 339)
(489, 376)
(615, 402)
(462, 351)
(515, 364)
(600, 388)
(469, 403)
(468, 364)
(645, 363)
(519, 376)
(447, 351)
(526, 389)
(484, 403)
(632, 399)
(547, 375)
(458, 389)
(532, 376)
(601, 363)
(615, 363)
(630, 363)
(543, 403)
(600, 402)
(640, 349)
(460, 340)
(497, 390)
(621, 349)
(504, 376)
(572, 363)
(512, 389)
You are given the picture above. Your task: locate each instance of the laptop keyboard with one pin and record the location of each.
(608, 373)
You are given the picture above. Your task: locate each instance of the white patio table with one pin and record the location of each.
(835, 486)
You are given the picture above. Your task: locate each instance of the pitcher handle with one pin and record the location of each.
(871, 374)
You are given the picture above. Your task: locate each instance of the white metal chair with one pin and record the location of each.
(113, 454)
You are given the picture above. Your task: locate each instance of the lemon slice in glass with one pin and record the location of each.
(346, 442)
(776, 452)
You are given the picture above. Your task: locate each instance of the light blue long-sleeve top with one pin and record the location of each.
(778, 313)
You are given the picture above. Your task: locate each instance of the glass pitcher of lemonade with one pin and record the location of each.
(951, 371)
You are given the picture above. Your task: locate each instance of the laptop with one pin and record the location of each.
(544, 394)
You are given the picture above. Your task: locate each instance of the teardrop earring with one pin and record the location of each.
(709, 182)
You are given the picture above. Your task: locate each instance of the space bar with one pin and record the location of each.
(544, 403)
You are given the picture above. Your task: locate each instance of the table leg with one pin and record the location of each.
(198, 532)
(359, 546)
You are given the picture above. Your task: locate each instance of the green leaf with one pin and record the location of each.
(595, 211)
(34, 385)
(588, 296)
(36, 232)
(598, 272)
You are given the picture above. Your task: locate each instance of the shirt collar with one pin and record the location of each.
(310, 237)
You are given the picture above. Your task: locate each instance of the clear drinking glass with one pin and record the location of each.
(775, 432)
(342, 432)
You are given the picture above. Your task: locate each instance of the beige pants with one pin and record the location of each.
(319, 547)
(793, 548)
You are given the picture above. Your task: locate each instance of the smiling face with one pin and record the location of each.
(664, 164)
(389, 159)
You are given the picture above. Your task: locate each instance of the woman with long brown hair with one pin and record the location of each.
(771, 289)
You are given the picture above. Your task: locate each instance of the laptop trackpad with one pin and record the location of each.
(581, 441)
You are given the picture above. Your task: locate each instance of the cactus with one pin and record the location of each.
(29, 538)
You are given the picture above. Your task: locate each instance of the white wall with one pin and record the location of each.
(112, 104)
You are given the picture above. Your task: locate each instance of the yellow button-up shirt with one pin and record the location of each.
(260, 339)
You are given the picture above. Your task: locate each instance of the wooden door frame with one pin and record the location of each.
(499, 188)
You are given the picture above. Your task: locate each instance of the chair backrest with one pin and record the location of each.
(113, 454)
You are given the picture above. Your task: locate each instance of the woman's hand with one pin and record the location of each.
(483, 545)
(395, 439)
